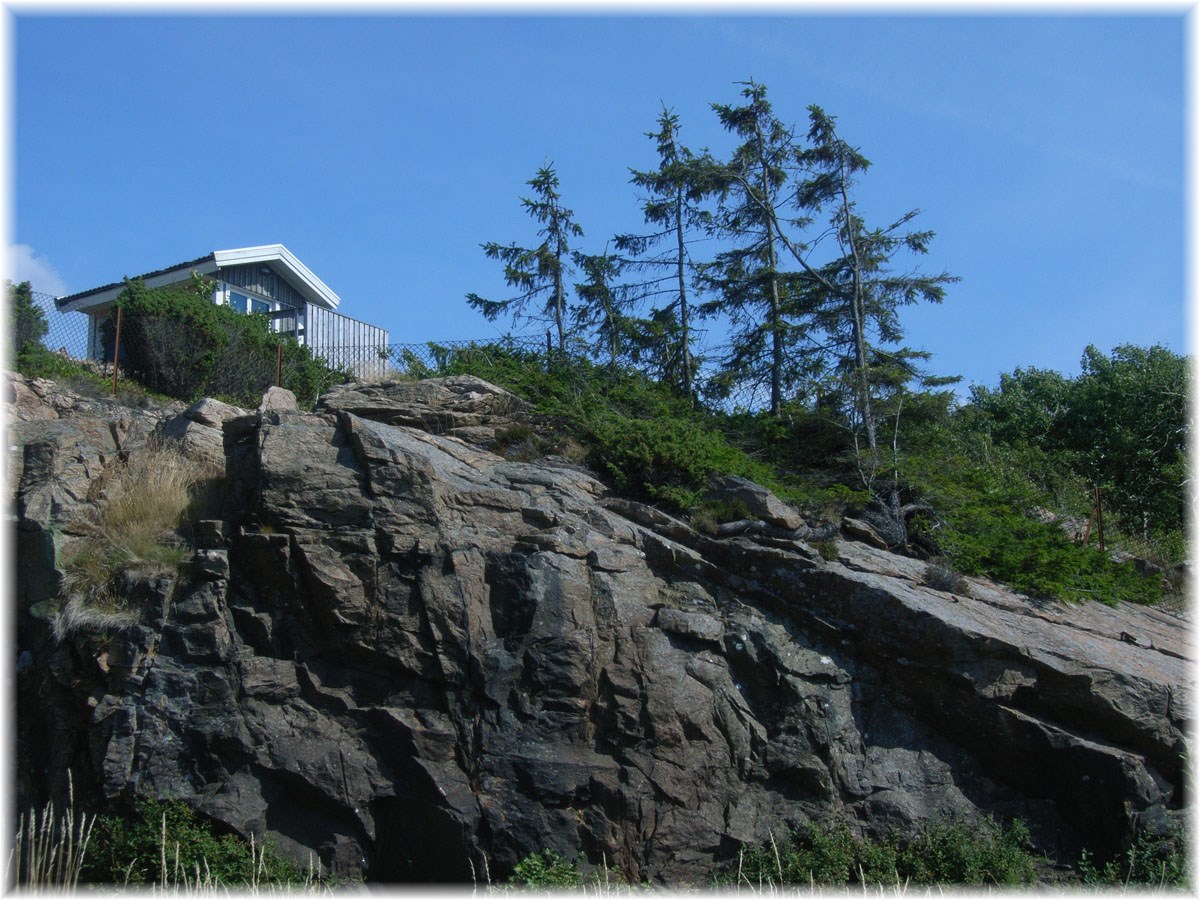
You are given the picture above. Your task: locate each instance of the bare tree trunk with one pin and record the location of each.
(775, 313)
(685, 336)
(858, 314)
(559, 304)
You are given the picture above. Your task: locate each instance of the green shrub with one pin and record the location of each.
(546, 869)
(828, 549)
(130, 851)
(177, 342)
(956, 854)
(26, 322)
(985, 526)
(667, 460)
(1151, 860)
(940, 854)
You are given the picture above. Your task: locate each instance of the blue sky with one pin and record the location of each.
(1047, 152)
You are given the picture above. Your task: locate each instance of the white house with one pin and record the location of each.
(268, 280)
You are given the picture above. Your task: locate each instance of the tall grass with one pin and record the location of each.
(140, 525)
(49, 848)
(50, 852)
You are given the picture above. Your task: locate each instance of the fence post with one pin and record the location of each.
(116, 351)
(279, 365)
(1099, 517)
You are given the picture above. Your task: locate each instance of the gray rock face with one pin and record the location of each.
(417, 659)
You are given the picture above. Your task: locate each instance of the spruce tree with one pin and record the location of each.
(675, 192)
(537, 272)
(855, 296)
(752, 289)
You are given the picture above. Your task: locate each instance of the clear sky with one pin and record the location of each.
(1046, 151)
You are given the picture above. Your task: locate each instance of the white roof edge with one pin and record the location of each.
(312, 287)
(170, 276)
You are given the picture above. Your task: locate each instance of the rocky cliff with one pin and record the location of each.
(421, 660)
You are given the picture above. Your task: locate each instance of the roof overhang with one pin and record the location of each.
(281, 260)
(284, 262)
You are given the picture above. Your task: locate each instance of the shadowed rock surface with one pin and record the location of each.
(416, 658)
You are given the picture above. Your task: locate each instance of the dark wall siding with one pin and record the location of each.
(252, 278)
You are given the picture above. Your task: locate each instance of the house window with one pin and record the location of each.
(245, 303)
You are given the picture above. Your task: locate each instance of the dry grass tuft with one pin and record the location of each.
(145, 507)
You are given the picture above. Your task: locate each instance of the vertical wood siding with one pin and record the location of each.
(252, 278)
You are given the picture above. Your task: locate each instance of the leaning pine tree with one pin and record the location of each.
(855, 296)
(537, 272)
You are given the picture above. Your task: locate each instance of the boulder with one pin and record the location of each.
(199, 430)
(759, 502)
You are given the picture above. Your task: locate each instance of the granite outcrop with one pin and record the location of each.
(419, 660)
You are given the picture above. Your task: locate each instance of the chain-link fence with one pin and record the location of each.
(165, 358)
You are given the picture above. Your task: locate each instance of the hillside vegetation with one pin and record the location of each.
(991, 482)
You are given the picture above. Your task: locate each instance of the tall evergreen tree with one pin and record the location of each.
(540, 271)
(753, 291)
(855, 296)
(675, 192)
(26, 321)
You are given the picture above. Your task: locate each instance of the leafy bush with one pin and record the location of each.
(986, 527)
(940, 854)
(956, 854)
(942, 577)
(131, 851)
(1151, 860)
(667, 460)
(1121, 424)
(641, 436)
(546, 869)
(176, 341)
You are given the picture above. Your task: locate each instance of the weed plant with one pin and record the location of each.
(1151, 861)
(164, 842)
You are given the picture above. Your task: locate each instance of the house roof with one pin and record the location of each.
(278, 257)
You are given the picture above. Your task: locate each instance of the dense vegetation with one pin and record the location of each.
(164, 844)
(177, 342)
(982, 855)
(941, 854)
(992, 501)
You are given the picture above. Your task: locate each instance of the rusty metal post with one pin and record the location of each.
(116, 351)
(279, 365)
(1099, 518)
